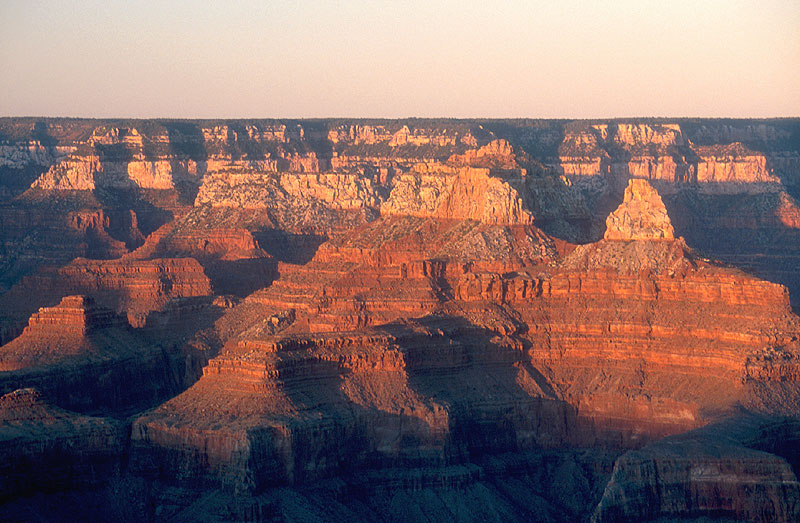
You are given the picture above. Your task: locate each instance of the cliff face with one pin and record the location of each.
(114, 157)
(376, 319)
(85, 357)
(461, 193)
(642, 215)
(661, 152)
(330, 176)
(45, 448)
(711, 472)
(130, 286)
(451, 189)
(323, 371)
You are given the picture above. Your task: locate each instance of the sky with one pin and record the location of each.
(394, 59)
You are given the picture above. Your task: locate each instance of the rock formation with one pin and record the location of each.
(642, 215)
(130, 286)
(45, 448)
(371, 320)
(343, 373)
(711, 472)
(85, 357)
(462, 193)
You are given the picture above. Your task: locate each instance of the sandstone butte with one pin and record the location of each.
(399, 320)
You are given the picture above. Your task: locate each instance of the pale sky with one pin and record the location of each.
(545, 59)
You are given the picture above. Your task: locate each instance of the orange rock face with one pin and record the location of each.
(374, 320)
(134, 287)
(642, 215)
(333, 366)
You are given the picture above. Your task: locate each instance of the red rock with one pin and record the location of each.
(86, 358)
(129, 286)
(435, 329)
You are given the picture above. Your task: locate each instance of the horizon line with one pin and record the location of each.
(465, 118)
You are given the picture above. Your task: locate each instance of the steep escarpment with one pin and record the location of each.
(618, 342)
(662, 153)
(373, 319)
(230, 255)
(130, 286)
(461, 193)
(85, 357)
(328, 176)
(642, 216)
(711, 177)
(45, 448)
(756, 232)
(38, 232)
(308, 407)
(656, 314)
(454, 188)
(710, 472)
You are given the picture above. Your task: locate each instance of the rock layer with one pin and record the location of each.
(711, 472)
(502, 358)
(48, 449)
(369, 319)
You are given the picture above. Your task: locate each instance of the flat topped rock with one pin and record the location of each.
(641, 215)
(74, 315)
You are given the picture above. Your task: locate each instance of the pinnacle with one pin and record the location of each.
(641, 215)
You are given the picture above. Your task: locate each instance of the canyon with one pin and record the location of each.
(400, 320)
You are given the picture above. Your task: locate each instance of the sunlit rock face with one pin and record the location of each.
(641, 216)
(374, 320)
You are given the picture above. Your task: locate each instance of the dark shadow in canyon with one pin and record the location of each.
(466, 368)
(735, 229)
(240, 277)
(741, 229)
(186, 142)
(15, 181)
(287, 247)
(151, 208)
(131, 369)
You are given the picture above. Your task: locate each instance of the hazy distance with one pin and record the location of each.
(194, 59)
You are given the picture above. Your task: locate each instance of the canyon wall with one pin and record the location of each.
(362, 320)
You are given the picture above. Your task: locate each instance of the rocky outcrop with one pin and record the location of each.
(663, 135)
(497, 154)
(35, 234)
(454, 190)
(467, 193)
(47, 449)
(641, 216)
(364, 316)
(88, 173)
(706, 473)
(355, 135)
(87, 358)
(74, 316)
(23, 154)
(733, 164)
(680, 157)
(230, 256)
(129, 286)
(259, 191)
(307, 407)
(661, 153)
(322, 369)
